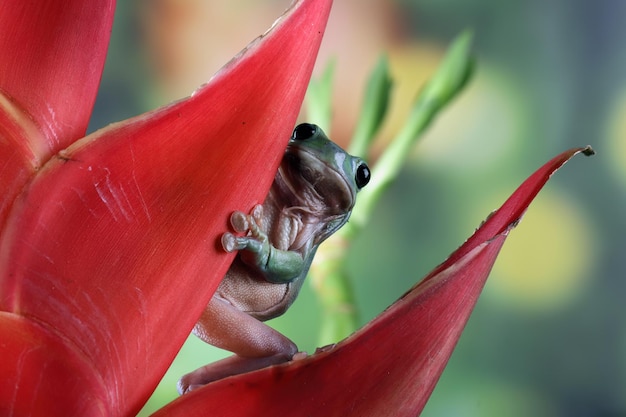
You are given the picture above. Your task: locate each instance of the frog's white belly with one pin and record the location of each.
(257, 297)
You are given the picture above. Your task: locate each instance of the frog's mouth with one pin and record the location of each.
(315, 184)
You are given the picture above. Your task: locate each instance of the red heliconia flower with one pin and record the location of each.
(108, 243)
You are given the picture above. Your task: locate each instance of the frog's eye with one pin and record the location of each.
(362, 176)
(303, 131)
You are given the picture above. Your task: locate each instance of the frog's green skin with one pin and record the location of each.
(312, 196)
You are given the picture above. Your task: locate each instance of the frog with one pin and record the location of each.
(311, 197)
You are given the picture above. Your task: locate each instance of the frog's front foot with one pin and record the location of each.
(255, 241)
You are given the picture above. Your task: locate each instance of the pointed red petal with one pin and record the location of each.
(514, 208)
(51, 58)
(390, 367)
(115, 243)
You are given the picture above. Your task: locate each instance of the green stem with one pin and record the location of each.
(374, 108)
(328, 274)
(318, 98)
(450, 78)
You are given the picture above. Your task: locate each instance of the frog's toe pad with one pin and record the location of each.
(299, 356)
(239, 221)
(229, 242)
(257, 213)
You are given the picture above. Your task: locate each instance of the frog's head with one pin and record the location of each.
(323, 178)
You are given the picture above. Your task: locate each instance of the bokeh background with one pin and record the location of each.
(548, 336)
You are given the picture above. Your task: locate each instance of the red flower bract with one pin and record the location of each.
(389, 367)
(52, 54)
(108, 247)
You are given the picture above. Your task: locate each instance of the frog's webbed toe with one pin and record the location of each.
(239, 221)
(257, 213)
(232, 365)
(243, 223)
(229, 242)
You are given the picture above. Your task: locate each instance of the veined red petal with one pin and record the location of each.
(32, 356)
(114, 245)
(51, 58)
(52, 54)
(390, 367)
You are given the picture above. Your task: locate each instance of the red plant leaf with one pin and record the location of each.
(113, 246)
(390, 367)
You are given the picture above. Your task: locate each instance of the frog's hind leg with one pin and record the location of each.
(255, 344)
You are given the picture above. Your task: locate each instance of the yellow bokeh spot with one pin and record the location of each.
(480, 127)
(548, 259)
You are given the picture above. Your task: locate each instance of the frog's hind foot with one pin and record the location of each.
(230, 366)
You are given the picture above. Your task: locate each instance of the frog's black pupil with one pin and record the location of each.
(362, 176)
(303, 131)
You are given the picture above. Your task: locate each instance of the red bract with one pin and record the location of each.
(390, 367)
(108, 245)
(52, 54)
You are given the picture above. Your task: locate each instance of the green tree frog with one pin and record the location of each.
(311, 197)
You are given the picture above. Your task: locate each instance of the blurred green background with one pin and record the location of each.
(548, 336)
